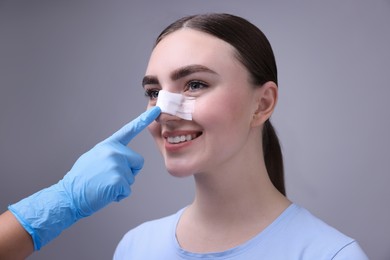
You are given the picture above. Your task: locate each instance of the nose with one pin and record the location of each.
(166, 119)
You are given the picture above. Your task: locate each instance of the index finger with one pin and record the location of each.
(130, 130)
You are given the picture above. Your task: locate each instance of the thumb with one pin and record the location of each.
(130, 130)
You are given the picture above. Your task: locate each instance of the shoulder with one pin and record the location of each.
(155, 235)
(161, 225)
(351, 251)
(301, 219)
(312, 236)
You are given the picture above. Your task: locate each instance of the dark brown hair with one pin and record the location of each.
(254, 51)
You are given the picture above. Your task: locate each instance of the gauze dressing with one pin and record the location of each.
(176, 104)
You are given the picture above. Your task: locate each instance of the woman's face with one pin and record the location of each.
(202, 66)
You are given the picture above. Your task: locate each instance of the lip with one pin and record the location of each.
(170, 147)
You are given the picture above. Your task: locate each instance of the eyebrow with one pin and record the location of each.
(149, 80)
(178, 74)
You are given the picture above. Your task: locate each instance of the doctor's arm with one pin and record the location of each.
(100, 176)
(15, 242)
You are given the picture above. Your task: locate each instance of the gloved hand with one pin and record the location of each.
(100, 176)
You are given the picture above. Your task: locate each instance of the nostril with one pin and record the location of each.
(158, 119)
(165, 118)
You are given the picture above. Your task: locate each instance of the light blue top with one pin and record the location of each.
(295, 234)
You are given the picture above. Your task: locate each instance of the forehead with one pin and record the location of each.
(188, 46)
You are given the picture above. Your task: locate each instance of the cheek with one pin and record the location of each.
(215, 109)
(204, 113)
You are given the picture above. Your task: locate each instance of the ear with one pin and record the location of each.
(265, 102)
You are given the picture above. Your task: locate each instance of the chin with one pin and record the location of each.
(180, 173)
(178, 170)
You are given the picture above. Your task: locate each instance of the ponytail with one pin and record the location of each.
(273, 157)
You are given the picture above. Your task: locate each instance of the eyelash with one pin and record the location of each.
(191, 84)
(152, 94)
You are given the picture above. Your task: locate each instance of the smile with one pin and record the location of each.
(181, 138)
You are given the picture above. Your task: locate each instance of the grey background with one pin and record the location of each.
(70, 74)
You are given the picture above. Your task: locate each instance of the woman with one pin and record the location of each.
(240, 210)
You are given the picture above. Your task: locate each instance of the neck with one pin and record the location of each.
(234, 201)
(237, 194)
(230, 207)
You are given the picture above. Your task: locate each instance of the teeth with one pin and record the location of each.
(179, 139)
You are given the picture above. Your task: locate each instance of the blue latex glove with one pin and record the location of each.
(100, 176)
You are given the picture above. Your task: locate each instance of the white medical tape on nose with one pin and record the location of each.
(176, 104)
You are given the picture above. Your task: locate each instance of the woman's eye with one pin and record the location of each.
(152, 93)
(195, 85)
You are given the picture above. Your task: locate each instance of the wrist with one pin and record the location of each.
(45, 214)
